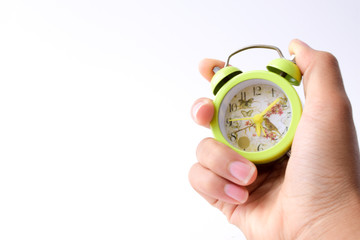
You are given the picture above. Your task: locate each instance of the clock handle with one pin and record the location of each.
(255, 46)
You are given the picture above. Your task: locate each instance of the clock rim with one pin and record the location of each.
(281, 148)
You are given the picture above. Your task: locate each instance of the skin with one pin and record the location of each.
(312, 195)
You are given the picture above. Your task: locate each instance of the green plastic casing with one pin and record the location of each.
(281, 148)
(286, 69)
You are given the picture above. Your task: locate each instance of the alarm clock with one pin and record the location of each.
(257, 112)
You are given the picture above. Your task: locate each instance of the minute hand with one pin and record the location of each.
(269, 107)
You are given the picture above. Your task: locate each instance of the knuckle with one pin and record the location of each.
(192, 174)
(335, 107)
(337, 102)
(193, 169)
(201, 147)
(203, 180)
(342, 106)
(327, 58)
(211, 183)
(209, 152)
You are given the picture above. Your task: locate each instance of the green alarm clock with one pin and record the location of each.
(257, 112)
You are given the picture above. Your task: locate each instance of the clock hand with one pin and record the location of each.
(239, 119)
(269, 107)
(258, 125)
(262, 128)
(258, 118)
(259, 128)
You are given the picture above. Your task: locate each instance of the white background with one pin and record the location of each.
(96, 138)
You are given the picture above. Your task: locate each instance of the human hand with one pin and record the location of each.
(312, 195)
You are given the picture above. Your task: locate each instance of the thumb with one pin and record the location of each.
(325, 139)
(321, 74)
(325, 96)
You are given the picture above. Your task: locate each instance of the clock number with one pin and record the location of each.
(242, 101)
(243, 96)
(232, 107)
(257, 91)
(229, 123)
(272, 92)
(233, 137)
(260, 148)
(285, 131)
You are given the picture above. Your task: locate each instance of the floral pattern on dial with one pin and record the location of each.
(251, 101)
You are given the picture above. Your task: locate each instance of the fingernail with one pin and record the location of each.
(242, 171)
(236, 193)
(195, 110)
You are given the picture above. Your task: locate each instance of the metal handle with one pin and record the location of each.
(255, 46)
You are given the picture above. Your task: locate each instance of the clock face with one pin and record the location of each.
(255, 115)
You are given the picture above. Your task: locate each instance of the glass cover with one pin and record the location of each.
(246, 119)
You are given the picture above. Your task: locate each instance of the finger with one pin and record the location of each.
(320, 71)
(207, 65)
(326, 120)
(202, 111)
(323, 85)
(214, 187)
(225, 207)
(225, 162)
